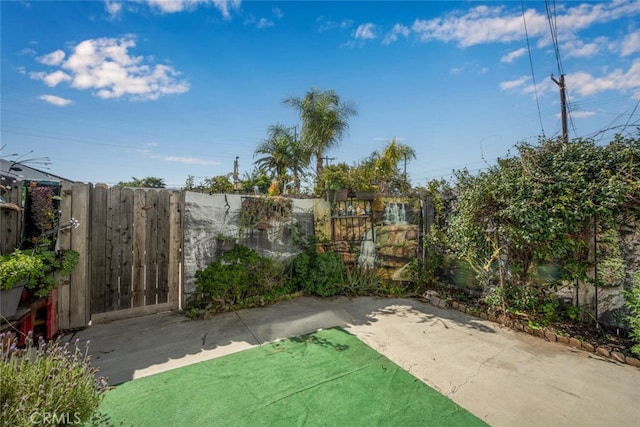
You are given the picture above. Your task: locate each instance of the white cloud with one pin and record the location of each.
(518, 83)
(55, 100)
(586, 84)
(365, 31)
(277, 12)
(579, 49)
(513, 55)
(53, 58)
(188, 160)
(173, 6)
(582, 83)
(326, 24)
(105, 66)
(264, 23)
(469, 67)
(113, 8)
(484, 24)
(397, 30)
(631, 44)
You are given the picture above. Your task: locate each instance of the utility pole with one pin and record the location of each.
(327, 160)
(563, 106)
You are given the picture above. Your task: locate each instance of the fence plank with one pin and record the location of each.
(79, 281)
(126, 247)
(98, 242)
(175, 248)
(64, 242)
(163, 230)
(11, 219)
(113, 251)
(151, 247)
(139, 228)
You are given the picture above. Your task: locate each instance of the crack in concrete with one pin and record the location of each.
(455, 388)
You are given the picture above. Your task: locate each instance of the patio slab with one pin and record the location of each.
(503, 377)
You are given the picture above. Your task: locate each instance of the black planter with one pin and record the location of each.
(9, 300)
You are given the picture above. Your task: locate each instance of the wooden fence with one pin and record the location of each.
(130, 246)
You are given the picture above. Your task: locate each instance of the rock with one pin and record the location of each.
(550, 336)
(563, 340)
(455, 304)
(601, 351)
(588, 347)
(462, 307)
(493, 318)
(632, 361)
(434, 301)
(574, 342)
(617, 356)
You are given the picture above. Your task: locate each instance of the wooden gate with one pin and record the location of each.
(135, 252)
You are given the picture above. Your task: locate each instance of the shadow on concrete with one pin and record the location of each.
(128, 349)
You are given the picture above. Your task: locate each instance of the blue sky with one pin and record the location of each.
(111, 90)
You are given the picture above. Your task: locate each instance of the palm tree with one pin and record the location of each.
(325, 120)
(282, 152)
(387, 164)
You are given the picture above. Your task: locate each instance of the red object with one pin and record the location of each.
(39, 316)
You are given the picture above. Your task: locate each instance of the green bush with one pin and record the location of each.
(632, 297)
(239, 278)
(321, 274)
(49, 382)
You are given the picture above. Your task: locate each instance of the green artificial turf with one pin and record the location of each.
(328, 378)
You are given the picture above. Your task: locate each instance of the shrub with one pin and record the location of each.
(239, 278)
(50, 381)
(320, 274)
(632, 297)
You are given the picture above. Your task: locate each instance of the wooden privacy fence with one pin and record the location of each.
(130, 246)
(134, 250)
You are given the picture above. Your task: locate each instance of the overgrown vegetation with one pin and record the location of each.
(541, 209)
(239, 278)
(51, 383)
(633, 304)
(318, 273)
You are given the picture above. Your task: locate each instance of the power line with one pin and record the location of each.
(535, 86)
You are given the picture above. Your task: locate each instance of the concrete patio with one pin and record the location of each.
(503, 377)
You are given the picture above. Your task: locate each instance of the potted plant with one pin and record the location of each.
(17, 270)
(336, 182)
(225, 243)
(34, 270)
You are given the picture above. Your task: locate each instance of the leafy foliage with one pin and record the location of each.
(48, 380)
(216, 184)
(237, 279)
(633, 304)
(320, 274)
(148, 182)
(539, 208)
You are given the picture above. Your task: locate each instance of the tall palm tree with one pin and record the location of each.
(282, 152)
(325, 120)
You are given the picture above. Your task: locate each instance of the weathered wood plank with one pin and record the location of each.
(139, 228)
(113, 251)
(175, 247)
(126, 247)
(79, 281)
(64, 242)
(11, 219)
(98, 242)
(163, 245)
(151, 247)
(133, 312)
